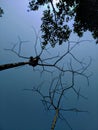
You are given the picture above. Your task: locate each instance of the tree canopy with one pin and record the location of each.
(56, 18)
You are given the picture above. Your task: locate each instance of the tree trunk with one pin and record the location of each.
(55, 119)
(12, 65)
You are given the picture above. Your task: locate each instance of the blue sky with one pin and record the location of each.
(21, 110)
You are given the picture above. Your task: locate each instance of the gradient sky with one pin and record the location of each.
(21, 110)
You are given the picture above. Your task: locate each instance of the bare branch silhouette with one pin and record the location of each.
(58, 86)
(38, 60)
(55, 96)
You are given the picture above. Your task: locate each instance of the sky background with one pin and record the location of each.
(21, 110)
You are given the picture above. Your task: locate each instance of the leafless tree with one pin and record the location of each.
(38, 60)
(58, 86)
(56, 92)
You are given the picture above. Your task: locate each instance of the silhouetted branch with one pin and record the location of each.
(40, 61)
(55, 95)
(12, 65)
(56, 90)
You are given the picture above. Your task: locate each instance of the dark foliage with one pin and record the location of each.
(87, 18)
(56, 19)
(1, 12)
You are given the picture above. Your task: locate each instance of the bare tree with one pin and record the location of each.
(58, 86)
(56, 92)
(38, 60)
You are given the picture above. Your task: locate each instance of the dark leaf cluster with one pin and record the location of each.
(55, 21)
(1, 12)
(53, 31)
(35, 4)
(87, 18)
